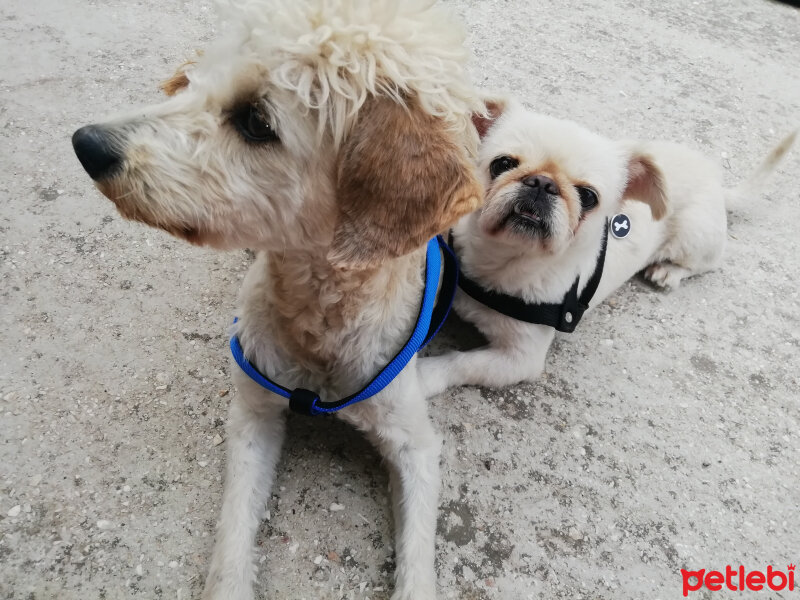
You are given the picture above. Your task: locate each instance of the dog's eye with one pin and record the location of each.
(501, 164)
(252, 124)
(588, 197)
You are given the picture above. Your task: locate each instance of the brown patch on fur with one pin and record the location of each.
(402, 179)
(178, 81)
(483, 121)
(311, 299)
(302, 319)
(548, 169)
(646, 184)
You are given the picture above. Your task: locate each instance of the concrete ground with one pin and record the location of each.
(664, 434)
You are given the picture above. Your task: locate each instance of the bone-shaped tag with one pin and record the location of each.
(620, 226)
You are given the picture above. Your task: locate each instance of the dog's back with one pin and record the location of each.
(695, 229)
(693, 232)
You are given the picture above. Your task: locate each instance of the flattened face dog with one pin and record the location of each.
(564, 206)
(334, 137)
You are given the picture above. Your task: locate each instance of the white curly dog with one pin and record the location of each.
(334, 137)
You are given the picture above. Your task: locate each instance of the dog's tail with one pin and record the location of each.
(754, 184)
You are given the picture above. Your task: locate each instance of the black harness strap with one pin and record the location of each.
(564, 316)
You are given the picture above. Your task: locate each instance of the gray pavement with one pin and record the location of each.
(664, 434)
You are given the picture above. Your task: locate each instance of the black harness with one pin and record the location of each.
(564, 316)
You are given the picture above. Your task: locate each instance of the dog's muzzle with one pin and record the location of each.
(533, 206)
(97, 150)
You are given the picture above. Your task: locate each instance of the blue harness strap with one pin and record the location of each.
(432, 315)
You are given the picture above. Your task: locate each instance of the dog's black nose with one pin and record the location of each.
(540, 181)
(97, 151)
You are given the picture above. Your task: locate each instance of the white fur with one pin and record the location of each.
(309, 65)
(396, 421)
(688, 241)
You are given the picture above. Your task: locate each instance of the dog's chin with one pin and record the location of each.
(521, 225)
(131, 210)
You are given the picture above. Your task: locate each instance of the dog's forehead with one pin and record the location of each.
(330, 56)
(535, 139)
(228, 79)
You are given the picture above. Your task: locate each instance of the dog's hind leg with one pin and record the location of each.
(256, 424)
(695, 246)
(406, 438)
(667, 275)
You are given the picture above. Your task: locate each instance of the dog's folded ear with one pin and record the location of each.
(646, 184)
(495, 106)
(403, 177)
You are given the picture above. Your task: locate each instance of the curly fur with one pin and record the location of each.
(332, 55)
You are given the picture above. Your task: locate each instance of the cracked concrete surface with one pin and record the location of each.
(663, 435)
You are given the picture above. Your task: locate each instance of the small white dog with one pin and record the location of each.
(335, 138)
(535, 250)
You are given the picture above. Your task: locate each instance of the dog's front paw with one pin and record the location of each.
(666, 275)
(432, 375)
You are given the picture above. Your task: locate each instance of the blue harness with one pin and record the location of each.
(432, 315)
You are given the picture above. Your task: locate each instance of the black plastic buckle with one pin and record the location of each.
(303, 401)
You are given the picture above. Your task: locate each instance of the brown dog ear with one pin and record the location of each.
(646, 184)
(402, 179)
(495, 106)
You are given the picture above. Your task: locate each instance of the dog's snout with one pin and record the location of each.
(97, 151)
(540, 181)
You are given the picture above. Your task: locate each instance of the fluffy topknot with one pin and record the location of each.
(333, 54)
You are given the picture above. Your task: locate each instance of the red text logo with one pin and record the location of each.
(738, 580)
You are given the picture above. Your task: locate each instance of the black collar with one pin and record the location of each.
(563, 317)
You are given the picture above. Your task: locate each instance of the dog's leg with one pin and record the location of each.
(682, 258)
(255, 435)
(694, 242)
(406, 438)
(490, 366)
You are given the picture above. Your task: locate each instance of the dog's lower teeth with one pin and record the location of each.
(526, 214)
